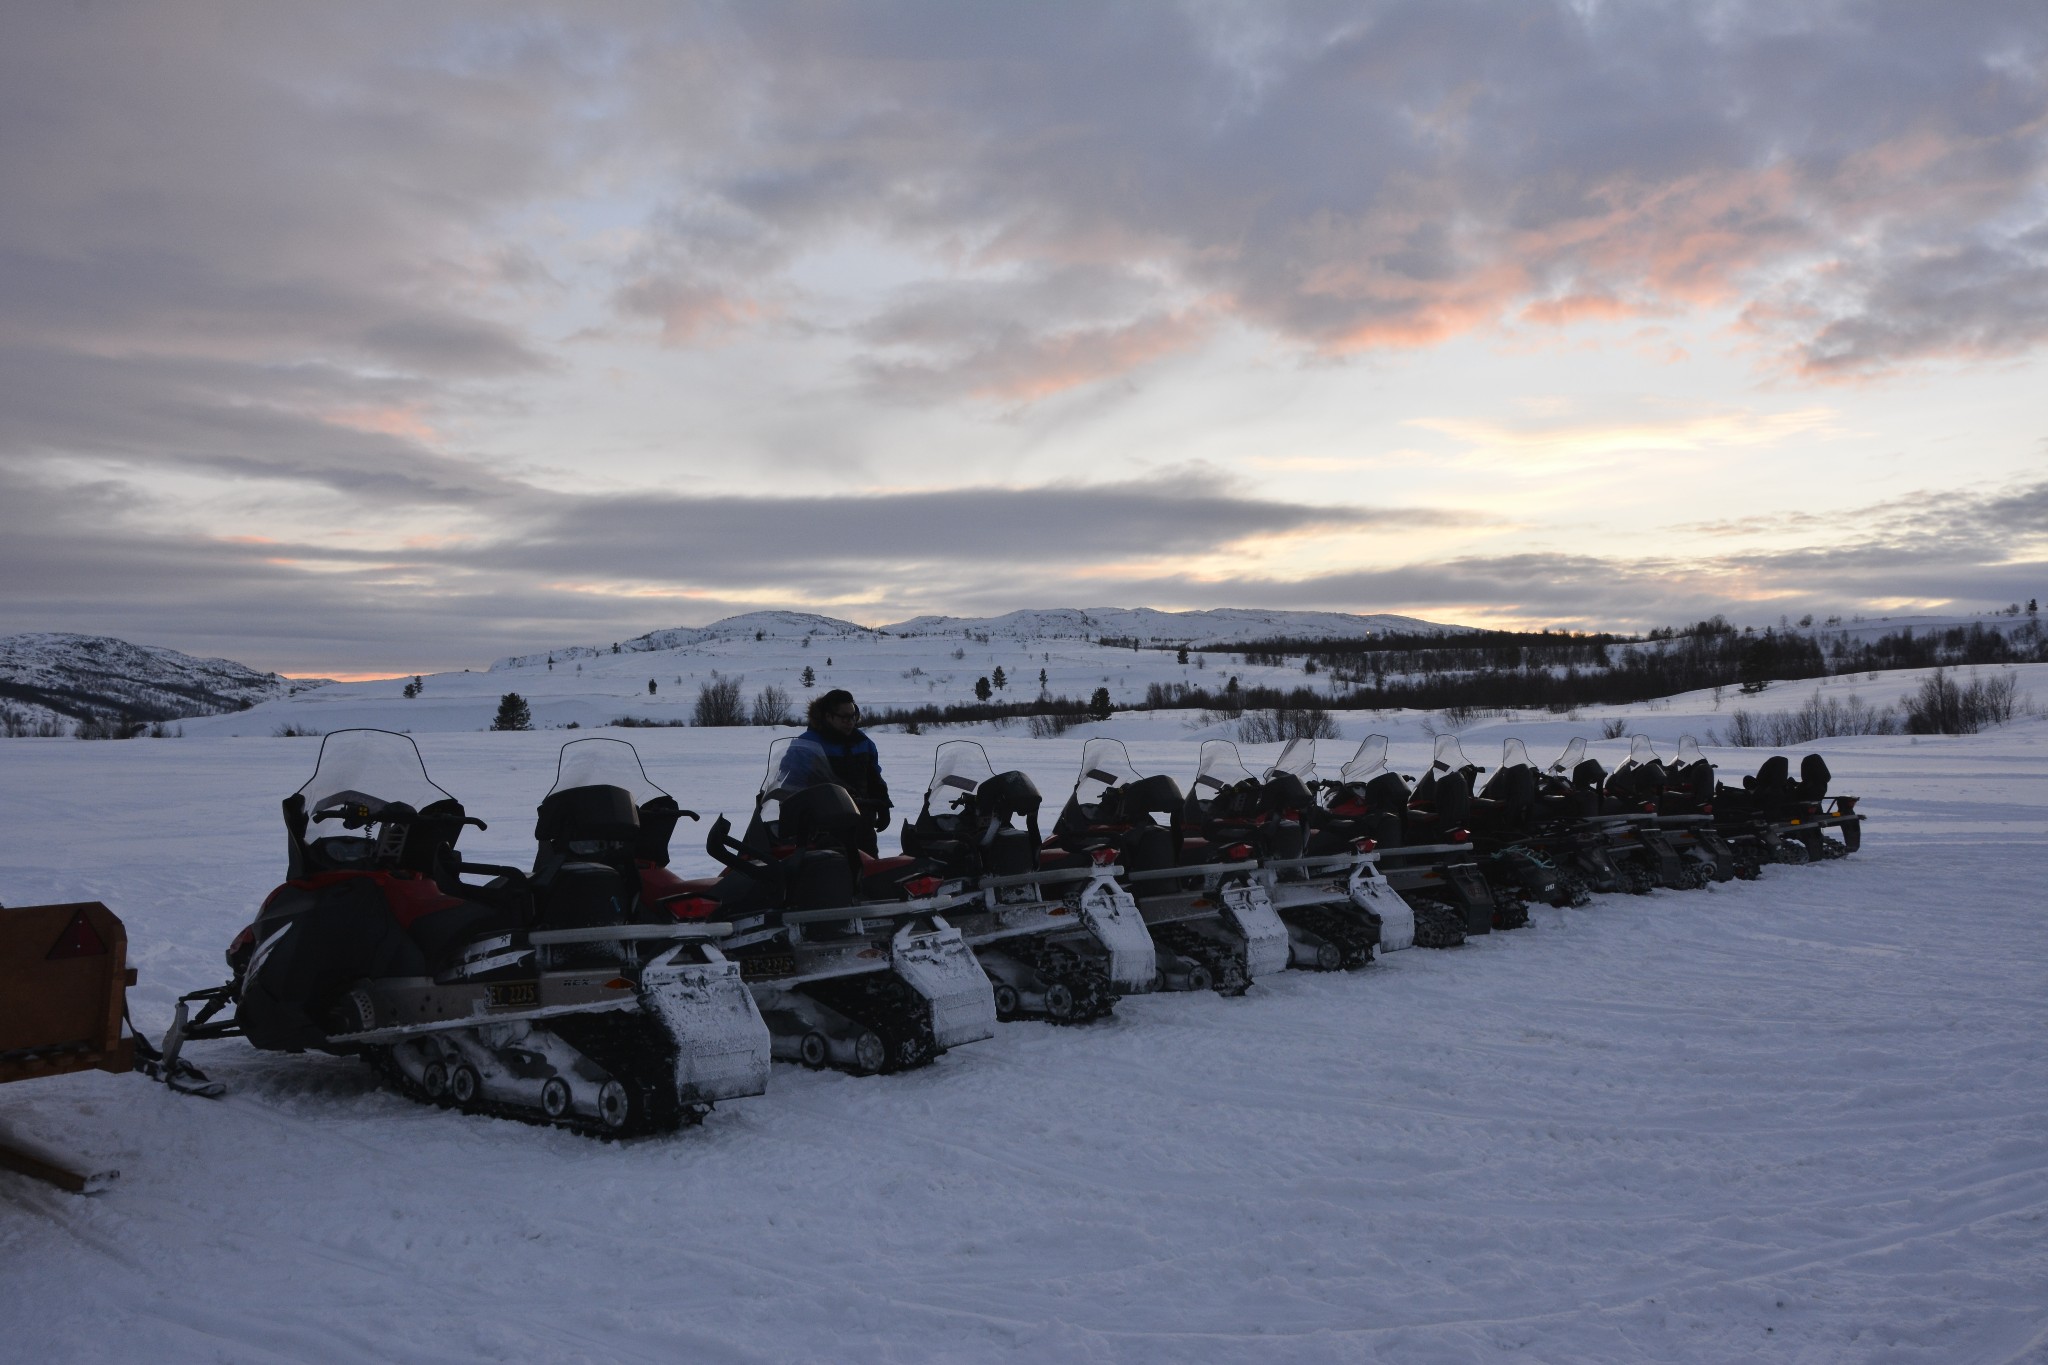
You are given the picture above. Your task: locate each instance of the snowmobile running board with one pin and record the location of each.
(1329, 862)
(397, 1031)
(639, 932)
(1057, 877)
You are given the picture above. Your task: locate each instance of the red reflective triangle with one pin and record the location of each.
(79, 939)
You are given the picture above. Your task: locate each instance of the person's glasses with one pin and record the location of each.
(852, 713)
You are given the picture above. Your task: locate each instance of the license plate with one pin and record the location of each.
(512, 994)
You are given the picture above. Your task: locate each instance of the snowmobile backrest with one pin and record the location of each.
(658, 820)
(1774, 774)
(1589, 775)
(1286, 791)
(1695, 779)
(1138, 802)
(1452, 797)
(1387, 792)
(1813, 777)
(824, 815)
(817, 879)
(581, 895)
(588, 815)
(1007, 795)
(1010, 852)
(1514, 789)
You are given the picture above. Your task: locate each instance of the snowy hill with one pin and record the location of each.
(1195, 629)
(54, 677)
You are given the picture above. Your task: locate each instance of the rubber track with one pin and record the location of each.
(1438, 922)
(884, 1003)
(618, 1047)
(1094, 997)
(1228, 970)
(1354, 935)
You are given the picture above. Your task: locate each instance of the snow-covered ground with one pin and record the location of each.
(1801, 1119)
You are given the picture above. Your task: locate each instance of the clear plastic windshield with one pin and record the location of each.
(1689, 752)
(1641, 753)
(369, 768)
(1369, 762)
(1298, 758)
(1450, 755)
(958, 770)
(1514, 754)
(1574, 754)
(1105, 763)
(1219, 768)
(604, 763)
(793, 766)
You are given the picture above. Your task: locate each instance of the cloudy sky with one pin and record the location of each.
(365, 338)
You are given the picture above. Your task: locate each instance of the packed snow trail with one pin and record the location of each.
(1800, 1119)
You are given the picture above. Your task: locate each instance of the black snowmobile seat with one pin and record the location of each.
(1008, 794)
(1387, 792)
(1813, 778)
(824, 815)
(592, 815)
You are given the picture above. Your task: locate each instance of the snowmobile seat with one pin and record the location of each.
(1772, 777)
(823, 816)
(1813, 778)
(1009, 852)
(1387, 792)
(1136, 802)
(1006, 795)
(1589, 775)
(588, 815)
(871, 866)
(581, 895)
(817, 879)
(442, 934)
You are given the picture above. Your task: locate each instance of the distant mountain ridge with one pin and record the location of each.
(1208, 629)
(69, 677)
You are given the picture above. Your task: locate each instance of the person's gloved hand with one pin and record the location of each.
(881, 818)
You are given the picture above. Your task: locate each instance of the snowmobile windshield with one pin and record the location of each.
(1220, 768)
(958, 770)
(1105, 763)
(372, 769)
(1573, 755)
(792, 768)
(1368, 762)
(1689, 752)
(1642, 753)
(1514, 754)
(1450, 755)
(604, 763)
(1298, 758)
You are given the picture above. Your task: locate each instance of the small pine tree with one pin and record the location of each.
(615, 646)
(1180, 656)
(1098, 705)
(513, 713)
(1041, 680)
(651, 688)
(981, 689)
(810, 678)
(551, 663)
(997, 680)
(412, 689)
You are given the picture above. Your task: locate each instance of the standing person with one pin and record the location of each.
(836, 736)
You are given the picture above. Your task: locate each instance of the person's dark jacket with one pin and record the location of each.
(856, 766)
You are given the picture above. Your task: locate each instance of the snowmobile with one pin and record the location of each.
(1424, 853)
(1773, 817)
(1057, 945)
(865, 983)
(1322, 880)
(563, 998)
(1211, 923)
(1682, 794)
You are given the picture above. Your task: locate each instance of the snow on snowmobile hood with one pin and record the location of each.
(369, 768)
(1573, 755)
(1514, 754)
(1368, 762)
(1219, 769)
(958, 769)
(604, 762)
(1298, 758)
